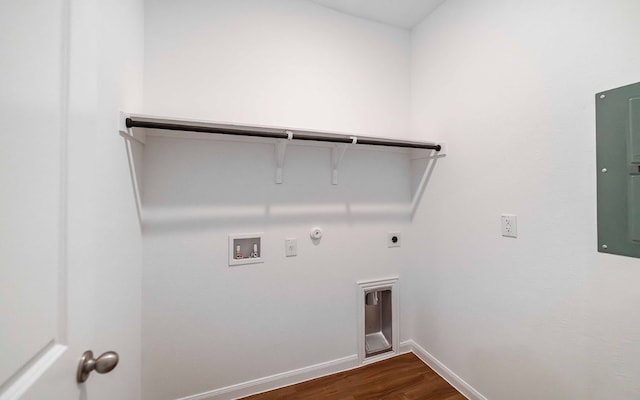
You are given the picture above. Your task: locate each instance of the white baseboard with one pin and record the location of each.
(278, 380)
(406, 346)
(454, 380)
(331, 367)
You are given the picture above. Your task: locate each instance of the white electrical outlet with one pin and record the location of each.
(509, 225)
(393, 239)
(291, 247)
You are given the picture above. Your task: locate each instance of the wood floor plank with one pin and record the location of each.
(404, 377)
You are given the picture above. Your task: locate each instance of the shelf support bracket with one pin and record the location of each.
(127, 132)
(417, 154)
(281, 150)
(337, 154)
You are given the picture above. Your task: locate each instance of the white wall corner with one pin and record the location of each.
(332, 367)
(454, 380)
(406, 346)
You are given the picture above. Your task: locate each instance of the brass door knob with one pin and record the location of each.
(103, 364)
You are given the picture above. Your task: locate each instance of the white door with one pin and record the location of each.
(59, 293)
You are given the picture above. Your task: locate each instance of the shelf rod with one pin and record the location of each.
(285, 134)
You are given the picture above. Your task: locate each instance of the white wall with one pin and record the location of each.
(275, 62)
(510, 86)
(286, 63)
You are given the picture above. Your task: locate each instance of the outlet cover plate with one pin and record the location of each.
(509, 225)
(291, 247)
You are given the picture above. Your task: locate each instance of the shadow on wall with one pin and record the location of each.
(199, 183)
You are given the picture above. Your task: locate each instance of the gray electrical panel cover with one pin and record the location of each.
(618, 159)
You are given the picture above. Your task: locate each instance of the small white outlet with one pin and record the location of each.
(394, 239)
(509, 225)
(291, 247)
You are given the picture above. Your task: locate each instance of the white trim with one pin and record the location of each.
(375, 283)
(332, 367)
(278, 380)
(33, 371)
(63, 185)
(379, 357)
(454, 380)
(361, 288)
(406, 346)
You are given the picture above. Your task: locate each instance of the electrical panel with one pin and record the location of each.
(618, 163)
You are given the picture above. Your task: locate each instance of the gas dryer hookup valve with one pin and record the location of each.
(316, 234)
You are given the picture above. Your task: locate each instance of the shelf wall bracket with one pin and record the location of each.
(281, 150)
(417, 154)
(127, 132)
(337, 154)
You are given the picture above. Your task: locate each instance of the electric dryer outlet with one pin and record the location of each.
(394, 239)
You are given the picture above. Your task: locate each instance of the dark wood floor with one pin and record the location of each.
(404, 377)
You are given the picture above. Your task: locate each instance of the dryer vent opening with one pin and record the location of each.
(378, 322)
(378, 326)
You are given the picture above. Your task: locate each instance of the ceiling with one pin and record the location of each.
(400, 13)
